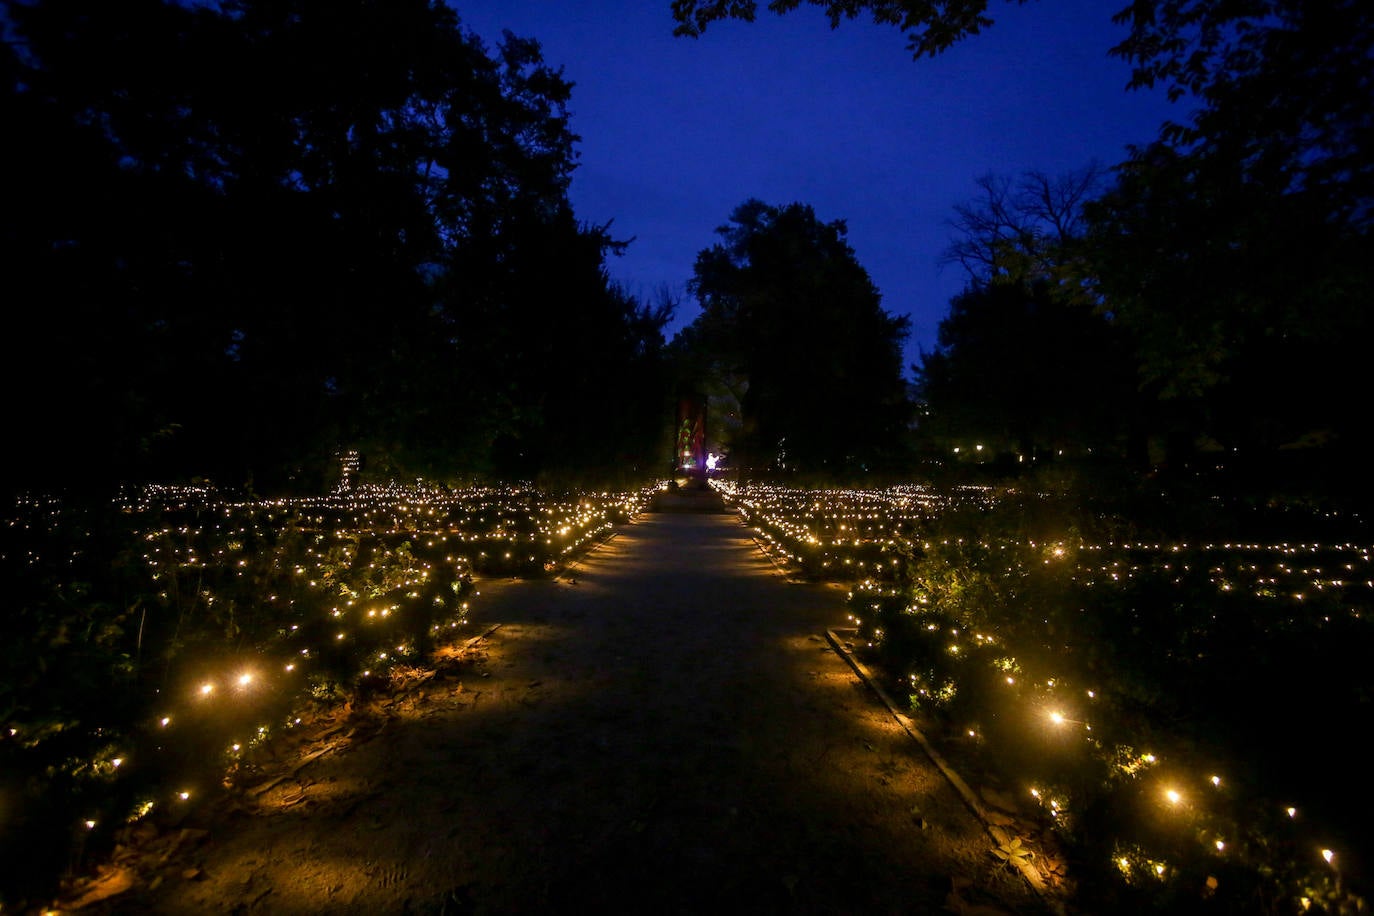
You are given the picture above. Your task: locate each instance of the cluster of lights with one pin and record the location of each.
(857, 534)
(358, 581)
(843, 533)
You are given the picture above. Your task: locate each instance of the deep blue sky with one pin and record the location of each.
(677, 132)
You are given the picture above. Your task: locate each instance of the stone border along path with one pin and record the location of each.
(661, 728)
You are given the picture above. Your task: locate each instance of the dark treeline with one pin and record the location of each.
(1204, 303)
(240, 236)
(1207, 302)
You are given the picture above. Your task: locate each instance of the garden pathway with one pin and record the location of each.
(662, 729)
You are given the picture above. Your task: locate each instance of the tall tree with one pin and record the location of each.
(230, 270)
(793, 321)
(1025, 229)
(1028, 360)
(1236, 247)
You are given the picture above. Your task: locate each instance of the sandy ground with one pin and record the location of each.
(662, 729)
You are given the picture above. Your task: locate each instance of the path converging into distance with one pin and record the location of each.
(661, 729)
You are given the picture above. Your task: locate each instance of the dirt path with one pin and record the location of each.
(663, 729)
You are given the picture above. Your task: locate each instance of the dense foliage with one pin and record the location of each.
(242, 235)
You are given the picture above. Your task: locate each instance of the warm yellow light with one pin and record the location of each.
(1057, 718)
(206, 689)
(1173, 796)
(1220, 845)
(1216, 780)
(1328, 855)
(245, 679)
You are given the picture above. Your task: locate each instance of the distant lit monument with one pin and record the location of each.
(689, 454)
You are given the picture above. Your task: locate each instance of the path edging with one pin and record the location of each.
(966, 794)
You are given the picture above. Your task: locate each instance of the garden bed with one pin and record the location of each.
(1180, 704)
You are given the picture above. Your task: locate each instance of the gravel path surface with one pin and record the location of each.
(662, 729)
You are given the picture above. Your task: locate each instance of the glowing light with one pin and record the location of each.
(1173, 796)
(1216, 780)
(1328, 855)
(206, 689)
(184, 796)
(245, 679)
(1057, 718)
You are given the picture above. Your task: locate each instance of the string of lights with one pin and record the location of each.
(1012, 646)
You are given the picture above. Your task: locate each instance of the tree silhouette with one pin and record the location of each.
(1023, 370)
(1235, 249)
(1028, 361)
(793, 324)
(243, 235)
(932, 26)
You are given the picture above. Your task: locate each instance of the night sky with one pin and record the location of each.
(677, 132)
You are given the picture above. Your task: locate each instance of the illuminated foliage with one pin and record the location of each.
(154, 643)
(1129, 685)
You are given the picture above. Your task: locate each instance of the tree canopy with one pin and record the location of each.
(932, 26)
(240, 236)
(1027, 362)
(792, 324)
(1236, 248)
